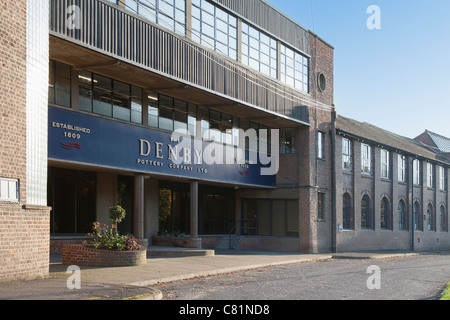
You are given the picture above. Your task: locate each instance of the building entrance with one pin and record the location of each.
(216, 209)
(72, 197)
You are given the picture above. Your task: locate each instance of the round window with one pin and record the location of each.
(322, 81)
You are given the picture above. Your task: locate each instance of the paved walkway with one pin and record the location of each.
(140, 282)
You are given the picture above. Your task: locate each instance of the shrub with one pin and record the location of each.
(105, 237)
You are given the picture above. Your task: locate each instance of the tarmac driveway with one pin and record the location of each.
(408, 278)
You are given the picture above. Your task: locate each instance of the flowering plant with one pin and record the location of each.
(107, 237)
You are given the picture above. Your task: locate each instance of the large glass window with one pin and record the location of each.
(417, 216)
(385, 215)
(444, 219)
(430, 218)
(273, 217)
(170, 14)
(109, 97)
(294, 69)
(220, 127)
(214, 28)
(442, 178)
(287, 141)
(347, 216)
(402, 175)
(402, 219)
(385, 164)
(366, 159)
(71, 194)
(366, 213)
(430, 175)
(59, 84)
(346, 154)
(417, 172)
(259, 51)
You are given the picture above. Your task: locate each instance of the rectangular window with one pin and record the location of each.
(170, 14)
(59, 86)
(320, 206)
(9, 190)
(346, 154)
(294, 69)
(259, 51)
(366, 159)
(109, 97)
(402, 176)
(320, 145)
(442, 178)
(385, 164)
(214, 28)
(430, 175)
(287, 141)
(417, 172)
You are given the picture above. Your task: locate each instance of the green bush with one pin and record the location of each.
(106, 237)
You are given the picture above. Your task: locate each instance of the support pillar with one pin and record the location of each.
(194, 209)
(139, 206)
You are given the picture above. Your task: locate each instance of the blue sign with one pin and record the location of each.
(88, 139)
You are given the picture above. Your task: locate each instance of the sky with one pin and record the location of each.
(396, 77)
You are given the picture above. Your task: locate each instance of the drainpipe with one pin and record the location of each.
(333, 183)
(412, 203)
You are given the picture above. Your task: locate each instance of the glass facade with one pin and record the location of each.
(294, 69)
(259, 51)
(109, 97)
(170, 14)
(214, 28)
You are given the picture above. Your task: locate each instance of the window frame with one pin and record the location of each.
(385, 171)
(347, 154)
(366, 159)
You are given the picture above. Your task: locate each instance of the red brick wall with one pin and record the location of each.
(24, 231)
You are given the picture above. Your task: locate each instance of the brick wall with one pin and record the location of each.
(24, 230)
(84, 256)
(356, 185)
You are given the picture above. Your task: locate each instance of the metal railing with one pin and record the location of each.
(243, 227)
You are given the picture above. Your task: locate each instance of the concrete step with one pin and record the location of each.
(157, 251)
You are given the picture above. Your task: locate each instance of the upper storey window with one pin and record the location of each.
(294, 69)
(214, 28)
(259, 51)
(170, 14)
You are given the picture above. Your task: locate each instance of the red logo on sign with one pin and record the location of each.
(71, 146)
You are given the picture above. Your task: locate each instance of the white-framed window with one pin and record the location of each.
(402, 176)
(441, 178)
(366, 159)
(417, 171)
(430, 175)
(259, 51)
(385, 172)
(347, 154)
(9, 190)
(320, 145)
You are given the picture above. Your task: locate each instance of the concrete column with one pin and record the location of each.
(139, 206)
(194, 209)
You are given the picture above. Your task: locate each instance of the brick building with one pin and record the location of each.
(100, 90)
(391, 191)
(91, 101)
(24, 215)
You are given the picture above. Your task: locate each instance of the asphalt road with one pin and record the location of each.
(410, 278)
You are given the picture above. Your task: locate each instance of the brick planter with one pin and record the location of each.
(89, 257)
(192, 243)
